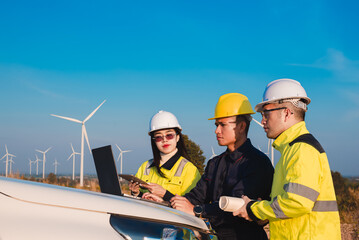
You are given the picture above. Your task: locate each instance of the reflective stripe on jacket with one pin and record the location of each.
(180, 178)
(303, 204)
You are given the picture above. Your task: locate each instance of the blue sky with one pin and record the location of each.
(66, 57)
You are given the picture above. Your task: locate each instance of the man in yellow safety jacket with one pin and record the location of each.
(303, 203)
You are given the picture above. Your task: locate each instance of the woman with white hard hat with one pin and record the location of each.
(169, 172)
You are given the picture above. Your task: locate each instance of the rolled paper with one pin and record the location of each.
(230, 204)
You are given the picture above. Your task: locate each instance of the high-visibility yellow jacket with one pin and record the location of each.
(181, 175)
(303, 203)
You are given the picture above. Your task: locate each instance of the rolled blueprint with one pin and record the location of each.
(230, 204)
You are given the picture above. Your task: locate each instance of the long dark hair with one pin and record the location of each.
(156, 153)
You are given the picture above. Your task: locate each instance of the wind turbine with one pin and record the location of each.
(10, 164)
(121, 155)
(213, 154)
(56, 163)
(270, 142)
(73, 155)
(31, 162)
(43, 160)
(7, 155)
(37, 164)
(83, 135)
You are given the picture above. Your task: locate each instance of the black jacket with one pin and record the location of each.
(246, 171)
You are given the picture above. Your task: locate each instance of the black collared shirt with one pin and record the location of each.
(170, 162)
(245, 171)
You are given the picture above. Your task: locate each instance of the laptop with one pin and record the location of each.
(106, 170)
(107, 174)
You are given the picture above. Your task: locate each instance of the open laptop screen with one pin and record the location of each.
(106, 170)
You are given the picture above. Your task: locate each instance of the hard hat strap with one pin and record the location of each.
(296, 102)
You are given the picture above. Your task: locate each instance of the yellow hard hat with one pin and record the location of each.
(232, 104)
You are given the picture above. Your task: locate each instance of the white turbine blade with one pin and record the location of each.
(89, 116)
(47, 149)
(67, 118)
(72, 148)
(87, 140)
(70, 156)
(3, 157)
(127, 151)
(118, 148)
(260, 124)
(119, 155)
(6, 149)
(12, 155)
(39, 151)
(213, 154)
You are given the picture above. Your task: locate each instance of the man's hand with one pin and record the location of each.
(152, 197)
(242, 212)
(181, 203)
(155, 189)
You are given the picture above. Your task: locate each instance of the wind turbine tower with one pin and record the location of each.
(10, 164)
(73, 155)
(121, 156)
(43, 160)
(37, 164)
(83, 135)
(31, 162)
(7, 155)
(56, 163)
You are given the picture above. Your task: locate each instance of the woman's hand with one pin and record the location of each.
(134, 187)
(156, 189)
(152, 197)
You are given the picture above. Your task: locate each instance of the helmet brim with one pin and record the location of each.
(249, 113)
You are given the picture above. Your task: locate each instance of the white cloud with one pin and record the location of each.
(342, 68)
(346, 78)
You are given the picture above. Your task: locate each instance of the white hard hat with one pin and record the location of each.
(163, 120)
(285, 89)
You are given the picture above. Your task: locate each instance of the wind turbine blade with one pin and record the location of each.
(87, 140)
(118, 148)
(127, 151)
(48, 149)
(3, 157)
(119, 155)
(260, 124)
(6, 148)
(72, 148)
(39, 151)
(67, 118)
(70, 156)
(89, 116)
(11, 155)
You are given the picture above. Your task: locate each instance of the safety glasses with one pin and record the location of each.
(265, 113)
(168, 136)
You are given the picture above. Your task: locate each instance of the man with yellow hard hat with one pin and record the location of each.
(240, 170)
